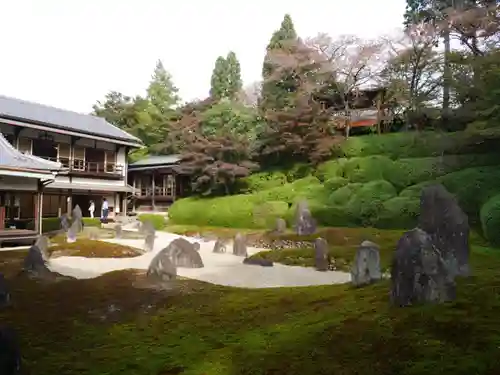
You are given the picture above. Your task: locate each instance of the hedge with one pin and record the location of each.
(403, 172)
(50, 224)
(159, 221)
(490, 220)
(398, 212)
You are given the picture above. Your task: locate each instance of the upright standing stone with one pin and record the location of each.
(10, 357)
(118, 231)
(240, 245)
(64, 222)
(147, 227)
(280, 226)
(4, 292)
(219, 247)
(34, 264)
(149, 242)
(366, 267)
(443, 219)
(72, 232)
(304, 222)
(77, 218)
(419, 274)
(93, 233)
(321, 254)
(43, 244)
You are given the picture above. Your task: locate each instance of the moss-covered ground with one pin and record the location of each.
(114, 325)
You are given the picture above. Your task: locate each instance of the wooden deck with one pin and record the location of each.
(17, 236)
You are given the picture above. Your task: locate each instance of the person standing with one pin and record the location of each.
(105, 210)
(92, 209)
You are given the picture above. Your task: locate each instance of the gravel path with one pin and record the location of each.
(222, 269)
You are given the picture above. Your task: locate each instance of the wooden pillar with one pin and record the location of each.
(153, 203)
(38, 208)
(69, 202)
(123, 197)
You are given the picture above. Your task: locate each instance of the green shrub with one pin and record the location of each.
(415, 191)
(398, 212)
(366, 169)
(159, 221)
(473, 187)
(342, 195)
(406, 172)
(418, 145)
(263, 181)
(367, 201)
(309, 187)
(490, 220)
(335, 183)
(330, 169)
(50, 224)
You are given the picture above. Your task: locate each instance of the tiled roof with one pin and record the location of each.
(21, 110)
(11, 158)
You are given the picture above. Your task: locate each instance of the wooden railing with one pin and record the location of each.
(89, 167)
(158, 192)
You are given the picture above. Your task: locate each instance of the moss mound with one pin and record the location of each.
(490, 220)
(91, 249)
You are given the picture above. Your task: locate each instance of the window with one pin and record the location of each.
(79, 158)
(110, 161)
(64, 152)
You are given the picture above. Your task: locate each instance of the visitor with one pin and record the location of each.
(105, 210)
(92, 209)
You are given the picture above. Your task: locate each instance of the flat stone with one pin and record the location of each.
(258, 262)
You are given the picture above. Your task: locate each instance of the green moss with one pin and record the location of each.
(398, 212)
(84, 247)
(335, 183)
(197, 328)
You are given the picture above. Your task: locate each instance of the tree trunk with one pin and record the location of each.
(446, 77)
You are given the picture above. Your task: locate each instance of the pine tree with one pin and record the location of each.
(274, 88)
(161, 91)
(219, 82)
(234, 81)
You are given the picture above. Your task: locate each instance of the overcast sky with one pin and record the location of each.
(70, 53)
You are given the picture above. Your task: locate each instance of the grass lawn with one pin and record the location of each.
(114, 325)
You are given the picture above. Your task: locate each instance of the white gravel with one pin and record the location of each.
(223, 269)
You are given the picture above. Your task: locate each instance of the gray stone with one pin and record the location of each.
(161, 269)
(366, 267)
(258, 262)
(280, 225)
(77, 213)
(321, 255)
(64, 222)
(4, 292)
(304, 222)
(419, 274)
(240, 245)
(183, 253)
(118, 231)
(72, 232)
(34, 264)
(149, 242)
(219, 247)
(443, 219)
(43, 244)
(147, 227)
(10, 355)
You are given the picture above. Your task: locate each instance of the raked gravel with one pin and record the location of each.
(223, 269)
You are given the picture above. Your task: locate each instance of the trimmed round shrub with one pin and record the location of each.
(490, 220)
(398, 213)
(335, 183)
(367, 169)
(159, 221)
(367, 201)
(330, 169)
(341, 196)
(473, 187)
(265, 214)
(263, 180)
